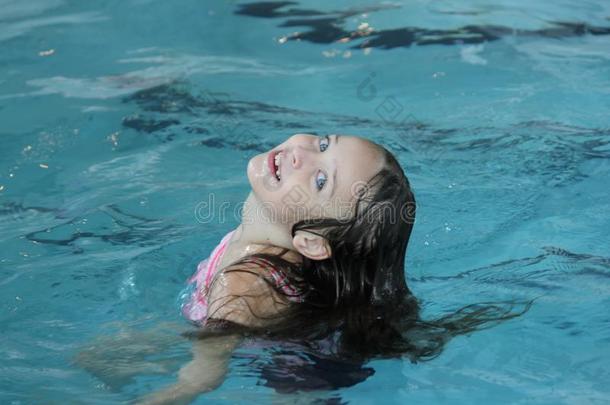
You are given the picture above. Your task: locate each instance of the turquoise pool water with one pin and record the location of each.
(119, 120)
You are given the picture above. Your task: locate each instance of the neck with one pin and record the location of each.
(258, 230)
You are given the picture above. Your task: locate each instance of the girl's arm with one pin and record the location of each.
(205, 372)
(241, 297)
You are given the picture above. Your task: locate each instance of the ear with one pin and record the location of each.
(311, 245)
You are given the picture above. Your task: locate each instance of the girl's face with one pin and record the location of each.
(310, 176)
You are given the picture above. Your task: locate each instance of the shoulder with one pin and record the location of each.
(244, 294)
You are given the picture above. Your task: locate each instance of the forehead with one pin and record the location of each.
(357, 161)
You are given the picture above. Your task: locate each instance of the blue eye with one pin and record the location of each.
(320, 180)
(324, 143)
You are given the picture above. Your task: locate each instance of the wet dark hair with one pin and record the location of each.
(358, 298)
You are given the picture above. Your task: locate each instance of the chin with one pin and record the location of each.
(253, 172)
(262, 183)
(250, 170)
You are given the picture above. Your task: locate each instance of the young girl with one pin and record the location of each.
(322, 215)
(320, 251)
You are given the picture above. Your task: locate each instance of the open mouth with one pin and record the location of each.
(275, 160)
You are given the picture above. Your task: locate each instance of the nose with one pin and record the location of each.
(297, 158)
(301, 152)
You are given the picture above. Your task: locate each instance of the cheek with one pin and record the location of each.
(292, 202)
(297, 193)
(343, 209)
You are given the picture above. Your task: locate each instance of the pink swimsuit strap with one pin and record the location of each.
(196, 308)
(215, 258)
(280, 280)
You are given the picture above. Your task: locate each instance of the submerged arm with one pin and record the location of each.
(244, 299)
(205, 372)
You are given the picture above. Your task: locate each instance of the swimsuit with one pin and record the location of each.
(195, 308)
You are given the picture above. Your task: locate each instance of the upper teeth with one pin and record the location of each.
(278, 160)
